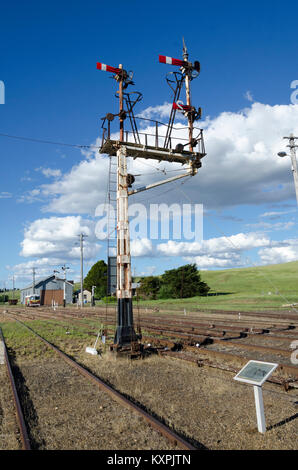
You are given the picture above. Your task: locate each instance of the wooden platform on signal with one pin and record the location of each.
(134, 150)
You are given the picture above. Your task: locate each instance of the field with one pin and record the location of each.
(258, 288)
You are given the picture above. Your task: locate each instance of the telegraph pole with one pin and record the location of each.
(33, 275)
(292, 145)
(82, 236)
(64, 268)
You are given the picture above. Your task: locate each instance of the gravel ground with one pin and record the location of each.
(257, 355)
(9, 434)
(205, 404)
(65, 412)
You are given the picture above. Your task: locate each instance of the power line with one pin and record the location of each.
(40, 141)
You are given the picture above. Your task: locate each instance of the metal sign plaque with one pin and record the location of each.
(256, 372)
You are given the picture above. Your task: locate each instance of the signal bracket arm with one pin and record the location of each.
(159, 183)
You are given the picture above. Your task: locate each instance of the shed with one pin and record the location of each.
(86, 295)
(50, 290)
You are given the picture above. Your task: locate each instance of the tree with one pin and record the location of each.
(149, 287)
(183, 282)
(97, 276)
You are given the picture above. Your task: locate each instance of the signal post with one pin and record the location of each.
(125, 336)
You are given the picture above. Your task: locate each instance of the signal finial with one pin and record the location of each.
(185, 53)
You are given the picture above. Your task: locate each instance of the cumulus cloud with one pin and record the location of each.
(49, 172)
(142, 247)
(280, 252)
(206, 262)
(55, 237)
(80, 190)
(221, 252)
(44, 266)
(156, 112)
(238, 242)
(241, 166)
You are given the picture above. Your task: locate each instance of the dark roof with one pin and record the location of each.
(48, 278)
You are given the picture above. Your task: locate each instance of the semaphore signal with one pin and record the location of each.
(138, 144)
(107, 68)
(163, 59)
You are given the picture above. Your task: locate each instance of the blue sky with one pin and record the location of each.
(53, 91)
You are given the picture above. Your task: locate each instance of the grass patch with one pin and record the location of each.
(259, 288)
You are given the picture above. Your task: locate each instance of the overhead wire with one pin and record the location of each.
(40, 141)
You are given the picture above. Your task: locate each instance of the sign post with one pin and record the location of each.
(256, 373)
(260, 409)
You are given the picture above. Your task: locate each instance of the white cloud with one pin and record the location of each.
(43, 267)
(248, 96)
(277, 214)
(233, 243)
(55, 237)
(221, 252)
(49, 172)
(268, 227)
(5, 195)
(207, 262)
(156, 112)
(241, 166)
(80, 190)
(280, 252)
(141, 247)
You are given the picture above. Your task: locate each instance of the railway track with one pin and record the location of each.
(18, 409)
(153, 421)
(174, 338)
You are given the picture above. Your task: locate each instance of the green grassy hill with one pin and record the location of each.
(281, 277)
(257, 288)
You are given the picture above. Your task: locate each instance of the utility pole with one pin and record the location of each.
(92, 296)
(33, 276)
(292, 145)
(64, 268)
(82, 236)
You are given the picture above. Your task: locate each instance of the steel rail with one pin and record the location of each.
(153, 422)
(194, 314)
(291, 371)
(210, 334)
(19, 412)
